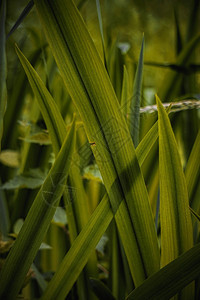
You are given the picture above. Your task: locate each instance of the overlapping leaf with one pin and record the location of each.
(171, 279)
(37, 222)
(79, 253)
(90, 88)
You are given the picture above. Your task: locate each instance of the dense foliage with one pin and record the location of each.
(100, 143)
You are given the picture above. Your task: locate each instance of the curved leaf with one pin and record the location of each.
(89, 86)
(37, 222)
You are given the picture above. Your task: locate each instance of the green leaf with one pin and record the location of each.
(10, 158)
(49, 110)
(80, 251)
(37, 222)
(32, 179)
(134, 116)
(17, 226)
(88, 238)
(192, 172)
(101, 244)
(175, 218)
(3, 66)
(172, 78)
(179, 43)
(92, 172)
(60, 217)
(76, 207)
(171, 279)
(41, 138)
(38, 276)
(125, 94)
(45, 246)
(89, 86)
(101, 30)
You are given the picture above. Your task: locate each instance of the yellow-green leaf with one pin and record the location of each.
(89, 86)
(37, 222)
(175, 218)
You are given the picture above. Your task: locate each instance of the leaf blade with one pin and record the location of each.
(87, 80)
(175, 218)
(170, 279)
(37, 222)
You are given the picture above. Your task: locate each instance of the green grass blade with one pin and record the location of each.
(171, 279)
(16, 103)
(134, 116)
(77, 256)
(192, 171)
(175, 218)
(125, 94)
(167, 89)
(77, 208)
(90, 234)
(3, 66)
(37, 222)
(50, 111)
(90, 88)
(179, 44)
(101, 30)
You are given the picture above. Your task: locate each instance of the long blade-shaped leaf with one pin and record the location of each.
(171, 279)
(37, 222)
(101, 30)
(89, 86)
(125, 94)
(50, 111)
(80, 251)
(175, 218)
(134, 117)
(3, 67)
(166, 91)
(77, 208)
(192, 171)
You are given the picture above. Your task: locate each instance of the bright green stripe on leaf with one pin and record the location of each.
(37, 222)
(90, 88)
